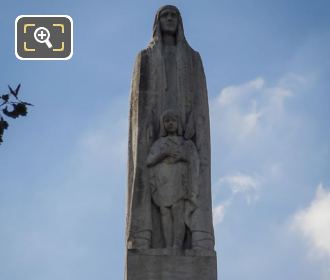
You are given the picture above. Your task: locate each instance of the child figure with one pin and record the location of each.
(173, 171)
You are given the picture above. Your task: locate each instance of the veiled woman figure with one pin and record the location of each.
(168, 74)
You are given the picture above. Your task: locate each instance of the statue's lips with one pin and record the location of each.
(171, 23)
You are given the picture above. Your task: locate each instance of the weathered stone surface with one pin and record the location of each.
(169, 229)
(171, 264)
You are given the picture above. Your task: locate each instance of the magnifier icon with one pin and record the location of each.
(41, 35)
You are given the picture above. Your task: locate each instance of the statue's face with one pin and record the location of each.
(170, 124)
(168, 21)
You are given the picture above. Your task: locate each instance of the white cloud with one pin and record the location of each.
(248, 109)
(313, 223)
(219, 212)
(249, 125)
(251, 119)
(295, 81)
(239, 184)
(229, 94)
(242, 184)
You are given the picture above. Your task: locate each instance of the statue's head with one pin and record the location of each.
(168, 20)
(170, 123)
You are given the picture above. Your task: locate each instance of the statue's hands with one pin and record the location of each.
(175, 156)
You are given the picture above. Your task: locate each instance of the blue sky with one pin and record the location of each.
(63, 167)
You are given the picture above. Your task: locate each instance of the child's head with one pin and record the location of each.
(170, 123)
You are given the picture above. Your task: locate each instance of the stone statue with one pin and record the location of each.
(169, 179)
(173, 179)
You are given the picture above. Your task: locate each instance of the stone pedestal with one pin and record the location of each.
(171, 264)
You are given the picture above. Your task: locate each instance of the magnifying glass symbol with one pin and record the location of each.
(41, 35)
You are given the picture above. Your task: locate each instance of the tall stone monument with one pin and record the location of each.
(169, 230)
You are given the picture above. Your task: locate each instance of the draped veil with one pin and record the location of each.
(149, 98)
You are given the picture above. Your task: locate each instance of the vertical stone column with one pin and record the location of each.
(169, 229)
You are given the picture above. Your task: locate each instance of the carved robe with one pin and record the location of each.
(154, 90)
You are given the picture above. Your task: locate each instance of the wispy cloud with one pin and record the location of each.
(246, 121)
(230, 94)
(313, 223)
(246, 185)
(238, 184)
(219, 211)
(249, 109)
